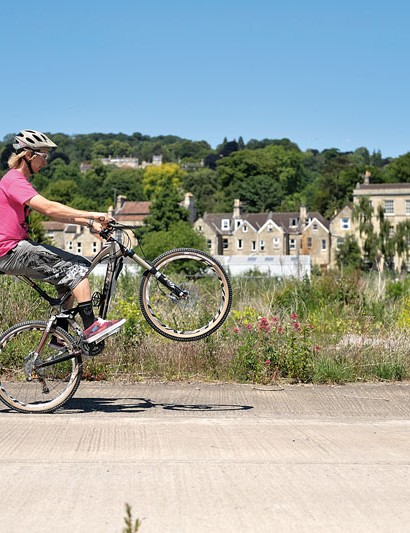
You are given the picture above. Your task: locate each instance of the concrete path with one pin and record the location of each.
(210, 458)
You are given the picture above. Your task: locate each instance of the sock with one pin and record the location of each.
(87, 314)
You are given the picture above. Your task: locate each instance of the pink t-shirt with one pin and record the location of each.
(15, 190)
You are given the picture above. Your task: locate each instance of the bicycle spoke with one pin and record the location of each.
(207, 300)
(32, 382)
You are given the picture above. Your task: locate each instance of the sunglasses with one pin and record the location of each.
(44, 155)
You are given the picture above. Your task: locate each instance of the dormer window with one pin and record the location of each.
(238, 222)
(293, 222)
(225, 224)
(244, 228)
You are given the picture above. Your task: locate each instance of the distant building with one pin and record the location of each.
(273, 234)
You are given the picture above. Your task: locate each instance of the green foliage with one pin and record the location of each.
(278, 168)
(165, 211)
(349, 254)
(131, 525)
(179, 235)
(36, 230)
(267, 174)
(272, 347)
(359, 333)
(157, 179)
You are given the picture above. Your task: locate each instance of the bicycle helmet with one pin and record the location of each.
(32, 140)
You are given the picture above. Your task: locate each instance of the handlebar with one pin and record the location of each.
(112, 226)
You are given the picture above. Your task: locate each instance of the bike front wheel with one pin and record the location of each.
(207, 295)
(32, 382)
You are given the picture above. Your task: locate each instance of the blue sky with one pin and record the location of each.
(322, 73)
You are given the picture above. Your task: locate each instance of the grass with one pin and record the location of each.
(331, 329)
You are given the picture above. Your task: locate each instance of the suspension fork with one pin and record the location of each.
(177, 291)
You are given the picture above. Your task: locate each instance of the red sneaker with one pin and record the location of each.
(101, 329)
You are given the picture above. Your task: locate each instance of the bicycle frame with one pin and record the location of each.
(114, 251)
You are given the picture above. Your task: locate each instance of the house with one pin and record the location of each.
(267, 234)
(394, 198)
(80, 240)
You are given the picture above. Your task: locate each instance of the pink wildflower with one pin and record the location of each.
(296, 325)
(280, 329)
(293, 316)
(236, 329)
(316, 348)
(267, 362)
(248, 326)
(264, 324)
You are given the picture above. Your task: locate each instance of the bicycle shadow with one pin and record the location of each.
(139, 405)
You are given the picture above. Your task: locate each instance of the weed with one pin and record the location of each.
(131, 525)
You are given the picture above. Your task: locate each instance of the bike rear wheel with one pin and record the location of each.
(26, 385)
(208, 295)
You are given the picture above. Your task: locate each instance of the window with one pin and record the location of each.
(253, 248)
(70, 246)
(276, 242)
(309, 242)
(225, 243)
(244, 228)
(391, 231)
(79, 247)
(270, 227)
(209, 243)
(262, 245)
(240, 244)
(225, 224)
(324, 244)
(94, 247)
(389, 207)
(345, 223)
(293, 222)
(238, 222)
(339, 242)
(292, 244)
(407, 207)
(314, 226)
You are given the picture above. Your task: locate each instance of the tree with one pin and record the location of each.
(179, 235)
(165, 211)
(203, 185)
(399, 170)
(281, 168)
(167, 176)
(402, 239)
(349, 254)
(363, 214)
(61, 191)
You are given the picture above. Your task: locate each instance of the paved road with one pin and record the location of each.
(211, 458)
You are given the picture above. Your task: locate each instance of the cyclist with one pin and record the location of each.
(20, 256)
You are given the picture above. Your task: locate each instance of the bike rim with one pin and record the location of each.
(208, 302)
(26, 387)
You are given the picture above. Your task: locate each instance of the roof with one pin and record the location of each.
(257, 220)
(375, 186)
(133, 211)
(51, 225)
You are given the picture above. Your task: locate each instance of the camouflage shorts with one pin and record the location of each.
(46, 263)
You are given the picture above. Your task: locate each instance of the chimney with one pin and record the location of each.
(189, 205)
(237, 208)
(302, 216)
(366, 177)
(120, 202)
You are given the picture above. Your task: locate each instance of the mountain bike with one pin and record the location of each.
(184, 295)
